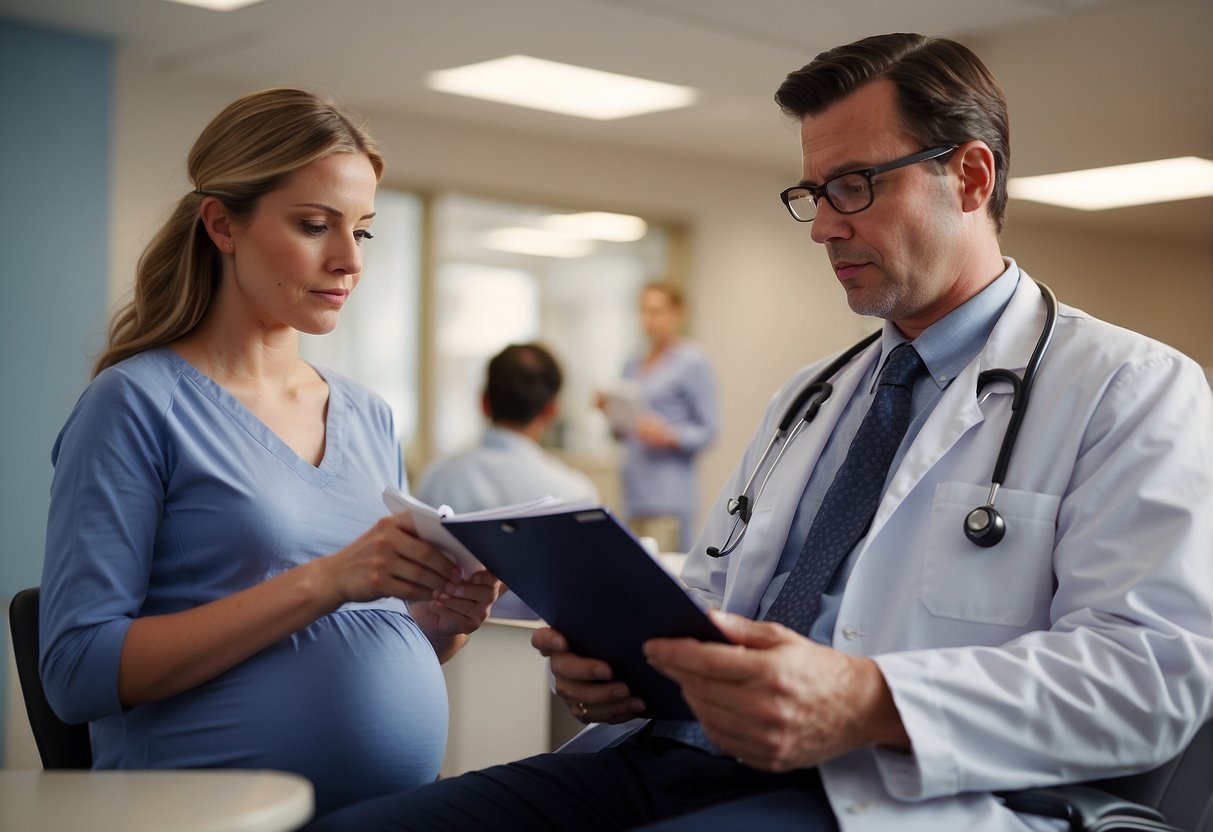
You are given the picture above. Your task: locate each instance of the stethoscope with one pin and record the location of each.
(983, 525)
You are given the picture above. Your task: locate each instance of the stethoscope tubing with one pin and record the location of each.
(1022, 389)
(743, 506)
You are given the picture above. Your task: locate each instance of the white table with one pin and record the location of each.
(154, 801)
(500, 704)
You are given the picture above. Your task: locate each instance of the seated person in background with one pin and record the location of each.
(221, 588)
(509, 466)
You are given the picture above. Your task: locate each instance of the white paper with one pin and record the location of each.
(429, 520)
(622, 405)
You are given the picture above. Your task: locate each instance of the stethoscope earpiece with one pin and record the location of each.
(985, 526)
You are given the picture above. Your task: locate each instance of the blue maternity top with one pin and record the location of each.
(168, 493)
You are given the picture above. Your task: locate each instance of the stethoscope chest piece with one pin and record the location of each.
(984, 526)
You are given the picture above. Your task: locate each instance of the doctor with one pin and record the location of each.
(933, 671)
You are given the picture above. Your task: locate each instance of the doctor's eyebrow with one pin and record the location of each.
(328, 209)
(849, 167)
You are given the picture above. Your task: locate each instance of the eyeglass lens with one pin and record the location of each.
(848, 194)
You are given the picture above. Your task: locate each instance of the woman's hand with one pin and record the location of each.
(389, 560)
(460, 608)
(654, 432)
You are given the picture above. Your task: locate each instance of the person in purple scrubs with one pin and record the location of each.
(677, 392)
(221, 587)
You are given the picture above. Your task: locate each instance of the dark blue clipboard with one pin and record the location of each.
(589, 578)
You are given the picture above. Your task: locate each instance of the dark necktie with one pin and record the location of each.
(850, 502)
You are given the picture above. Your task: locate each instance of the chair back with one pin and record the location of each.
(1182, 789)
(60, 745)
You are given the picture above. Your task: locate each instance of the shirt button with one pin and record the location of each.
(850, 633)
(859, 808)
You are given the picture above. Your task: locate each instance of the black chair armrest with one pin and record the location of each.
(1087, 809)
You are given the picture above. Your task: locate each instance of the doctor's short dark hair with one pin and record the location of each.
(947, 95)
(522, 379)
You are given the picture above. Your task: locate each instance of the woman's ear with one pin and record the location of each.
(976, 162)
(218, 223)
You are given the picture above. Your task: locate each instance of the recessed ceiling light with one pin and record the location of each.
(597, 225)
(535, 241)
(1164, 180)
(561, 88)
(217, 5)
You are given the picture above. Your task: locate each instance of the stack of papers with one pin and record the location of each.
(622, 405)
(430, 520)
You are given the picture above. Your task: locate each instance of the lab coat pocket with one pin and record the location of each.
(1006, 584)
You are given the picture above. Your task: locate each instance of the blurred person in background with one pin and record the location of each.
(509, 465)
(674, 393)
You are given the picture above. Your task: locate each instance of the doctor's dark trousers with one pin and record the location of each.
(645, 783)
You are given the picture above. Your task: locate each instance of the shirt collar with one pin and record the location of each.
(501, 438)
(948, 345)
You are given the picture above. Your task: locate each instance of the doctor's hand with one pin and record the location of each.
(776, 700)
(586, 685)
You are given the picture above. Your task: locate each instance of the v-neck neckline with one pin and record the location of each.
(334, 438)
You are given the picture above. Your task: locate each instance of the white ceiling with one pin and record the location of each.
(1090, 82)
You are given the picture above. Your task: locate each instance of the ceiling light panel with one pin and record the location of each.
(597, 225)
(561, 88)
(1097, 189)
(216, 5)
(535, 241)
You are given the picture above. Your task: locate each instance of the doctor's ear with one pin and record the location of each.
(975, 161)
(218, 223)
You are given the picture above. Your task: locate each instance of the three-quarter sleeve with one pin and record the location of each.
(106, 501)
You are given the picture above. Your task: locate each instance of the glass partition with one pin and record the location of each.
(507, 272)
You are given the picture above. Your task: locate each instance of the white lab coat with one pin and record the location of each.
(1079, 647)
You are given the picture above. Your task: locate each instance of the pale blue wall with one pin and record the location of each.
(55, 105)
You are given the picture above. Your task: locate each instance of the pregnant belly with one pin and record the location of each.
(356, 703)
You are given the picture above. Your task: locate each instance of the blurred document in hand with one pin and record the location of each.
(622, 405)
(429, 520)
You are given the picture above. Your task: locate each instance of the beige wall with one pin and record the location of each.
(763, 301)
(1162, 288)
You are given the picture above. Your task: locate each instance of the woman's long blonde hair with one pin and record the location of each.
(247, 150)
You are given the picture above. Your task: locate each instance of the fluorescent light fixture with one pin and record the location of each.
(1164, 180)
(597, 225)
(537, 241)
(217, 5)
(561, 88)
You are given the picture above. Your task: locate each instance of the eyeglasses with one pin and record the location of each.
(851, 191)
